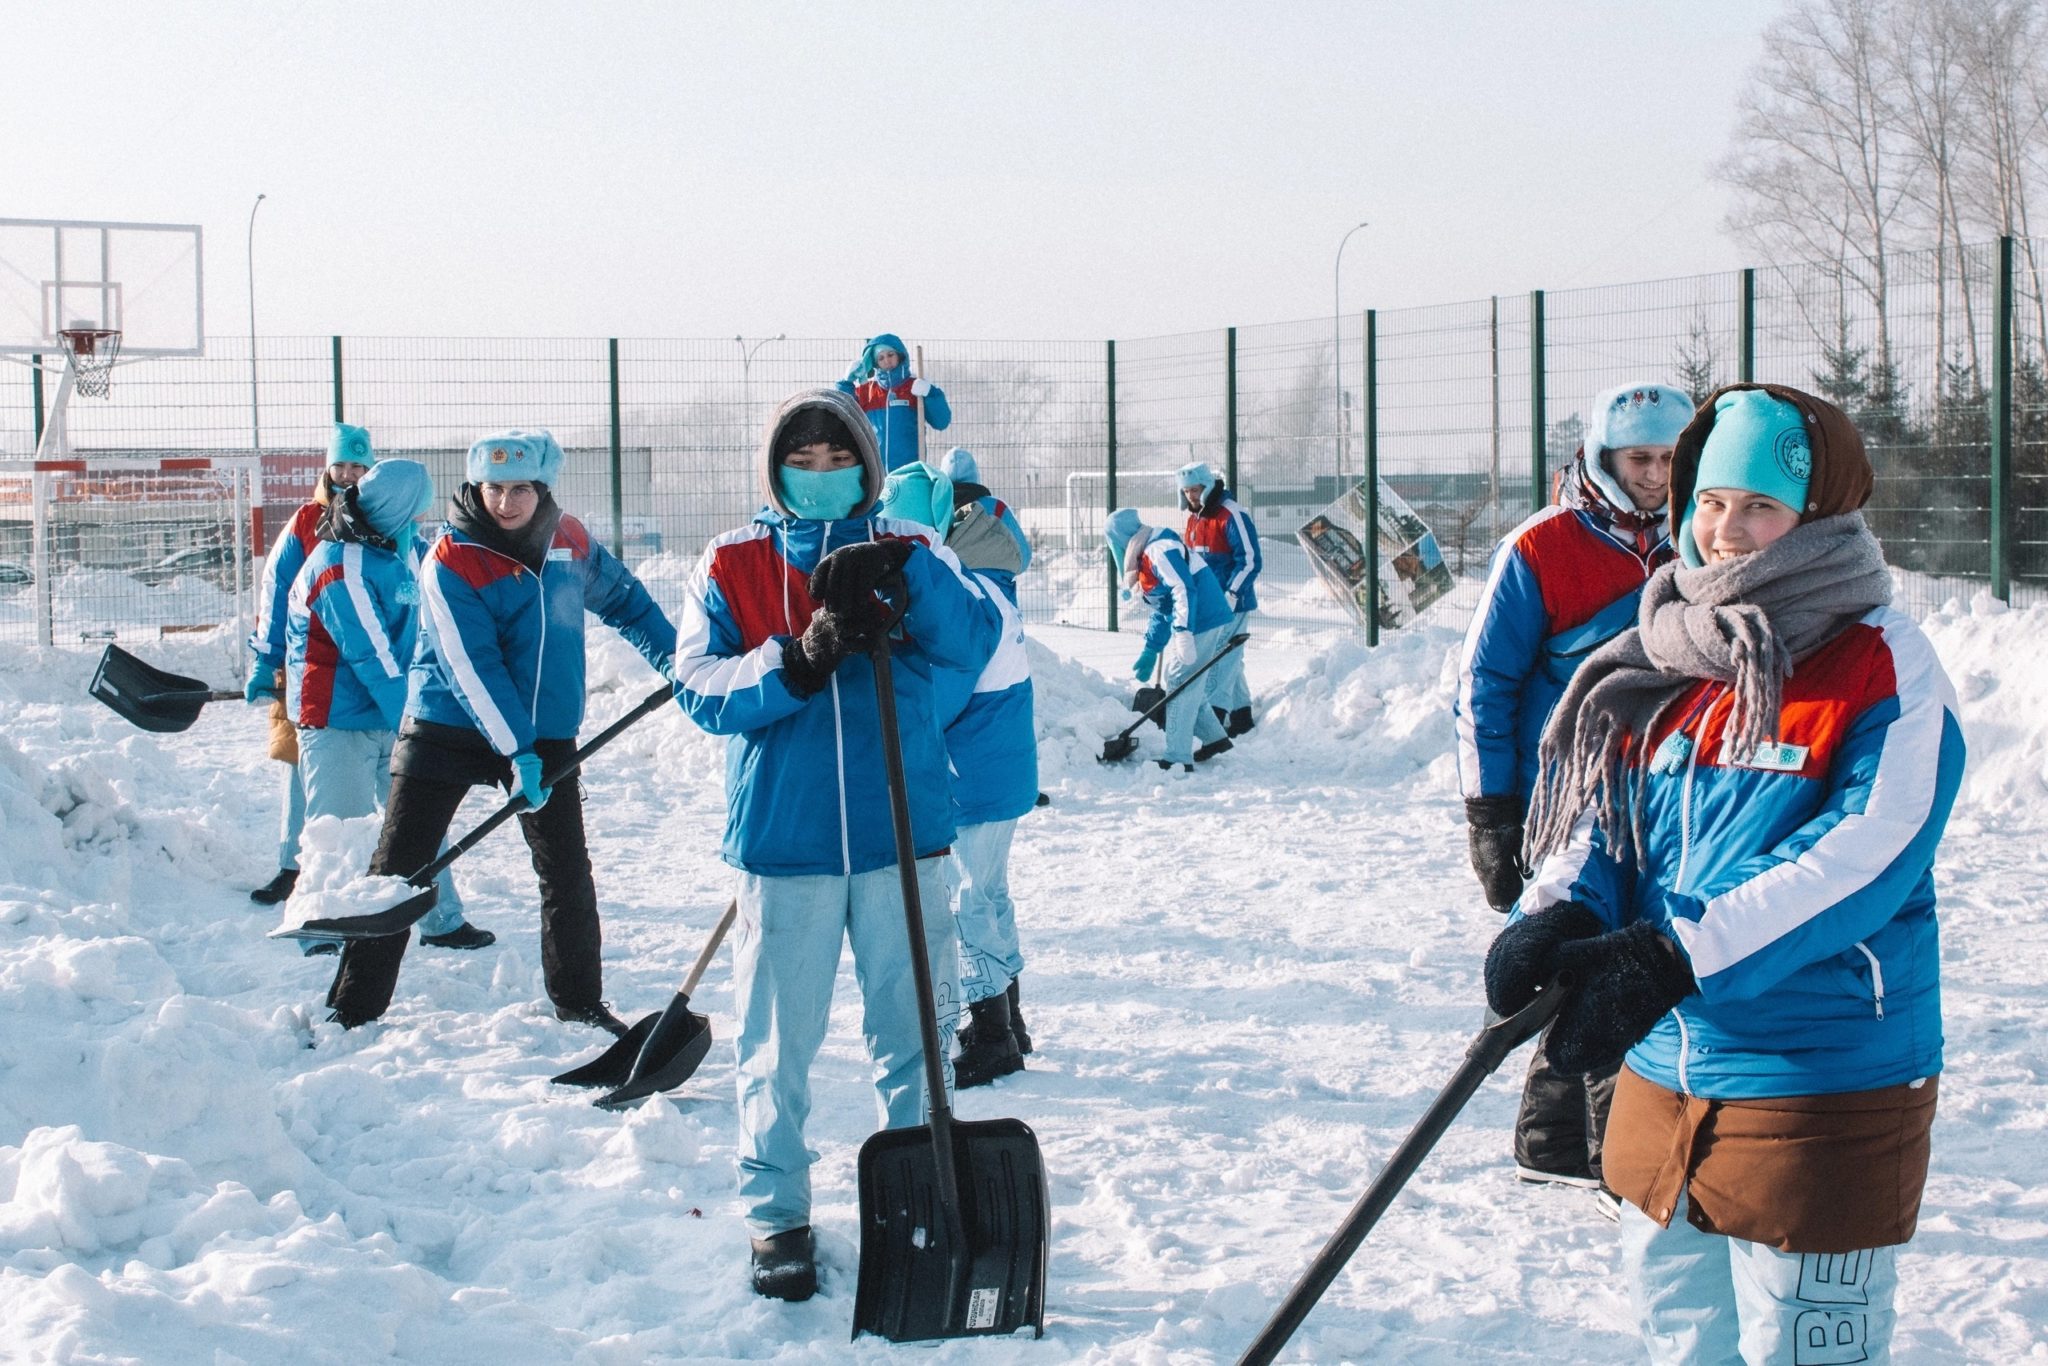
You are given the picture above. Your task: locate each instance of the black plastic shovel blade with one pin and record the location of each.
(1117, 748)
(148, 697)
(376, 925)
(916, 1281)
(1147, 699)
(610, 1068)
(674, 1049)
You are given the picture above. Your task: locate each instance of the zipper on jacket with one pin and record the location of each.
(839, 746)
(1684, 1051)
(540, 653)
(1876, 977)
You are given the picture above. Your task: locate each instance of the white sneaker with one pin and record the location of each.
(1534, 1177)
(1609, 1203)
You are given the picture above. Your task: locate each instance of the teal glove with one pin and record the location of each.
(1146, 663)
(262, 685)
(526, 775)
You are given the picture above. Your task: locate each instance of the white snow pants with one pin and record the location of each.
(987, 919)
(1188, 717)
(1706, 1300)
(1231, 690)
(786, 943)
(291, 818)
(347, 773)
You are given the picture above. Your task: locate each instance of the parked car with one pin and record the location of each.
(215, 563)
(14, 572)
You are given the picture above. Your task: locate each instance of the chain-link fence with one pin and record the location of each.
(1468, 412)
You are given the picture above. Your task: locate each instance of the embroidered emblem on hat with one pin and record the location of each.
(357, 444)
(499, 455)
(1795, 454)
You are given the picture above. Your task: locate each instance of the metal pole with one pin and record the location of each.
(255, 420)
(1372, 476)
(1337, 328)
(618, 493)
(2001, 428)
(1110, 466)
(1230, 407)
(746, 368)
(1745, 330)
(35, 394)
(337, 381)
(1539, 445)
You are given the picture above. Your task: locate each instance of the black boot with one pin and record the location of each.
(463, 936)
(1222, 718)
(598, 1015)
(1212, 749)
(277, 889)
(786, 1265)
(987, 1049)
(1018, 1031)
(1240, 722)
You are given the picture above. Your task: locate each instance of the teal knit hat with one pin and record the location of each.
(350, 445)
(919, 493)
(1123, 524)
(1758, 443)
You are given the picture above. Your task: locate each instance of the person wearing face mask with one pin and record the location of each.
(495, 697)
(895, 400)
(349, 456)
(1735, 829)
(1562, 583)
(777, 621)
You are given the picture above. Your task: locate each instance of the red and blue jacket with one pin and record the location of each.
(1223, 534)
(893, 410)
(1183, 595)
(805, 784)
(280, 571)
(1797, 880)
(991, 734)
(501, 647)
(1561, 585)
(349, 638)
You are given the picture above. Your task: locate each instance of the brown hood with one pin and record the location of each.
(1841, 480)
(842, 406)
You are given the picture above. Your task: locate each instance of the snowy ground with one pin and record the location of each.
(1244, 986)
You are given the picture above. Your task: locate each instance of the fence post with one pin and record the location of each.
(1110, 483)
(1539, 435)
(35, 393)
(337, 381)
(1745, 329)
(618, 493)
(1372, 476)
(2001, 429)
(1230, 408)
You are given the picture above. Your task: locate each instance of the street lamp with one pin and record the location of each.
(255, 420)
(1337, 317)
(746, 363)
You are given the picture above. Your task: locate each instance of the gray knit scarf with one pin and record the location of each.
(1745, 622)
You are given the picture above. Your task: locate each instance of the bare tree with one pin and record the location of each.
(1924, 57)
(2002, 51)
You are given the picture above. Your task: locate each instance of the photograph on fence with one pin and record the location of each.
(1412, 575)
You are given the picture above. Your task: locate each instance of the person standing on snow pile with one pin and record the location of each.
(1563, 582)
(895, 400)
(777, 622)
(1741, 802)
(992, 744)
(349, 457)
(985, 533)
(1222, 533)
(1190, 623)
(349, 638)
(495, 696)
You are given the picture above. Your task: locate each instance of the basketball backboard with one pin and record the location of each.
(144, 280)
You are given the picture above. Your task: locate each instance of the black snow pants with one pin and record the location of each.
(1563, 1116)
(431, 773)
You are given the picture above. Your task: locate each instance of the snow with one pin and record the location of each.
(1245, 987)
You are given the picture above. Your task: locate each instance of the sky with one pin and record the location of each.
(993, 170)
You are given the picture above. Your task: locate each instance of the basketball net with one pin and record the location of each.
(92, 351)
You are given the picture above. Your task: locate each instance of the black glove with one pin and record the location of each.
(1627, 981)
(1525, 955)
(1495, 837)
(809, 661)
(845, 581)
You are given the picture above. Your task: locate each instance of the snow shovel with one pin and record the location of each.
(1488, 1050)
(953, 1215)
(414, 908)
(1124, 745)
(662, 1050)
(149, 697)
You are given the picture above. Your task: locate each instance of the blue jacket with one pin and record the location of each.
(1183, 597)
(274, 591)
(884, 395)
(1223, 534)
(1797, 881)
(349, 639)
(806, 791)
(501, 648)
(1562, 584)
(991, 735)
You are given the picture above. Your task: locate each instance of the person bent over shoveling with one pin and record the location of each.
(777, 621)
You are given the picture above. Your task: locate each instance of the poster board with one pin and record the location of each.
(1413, 574)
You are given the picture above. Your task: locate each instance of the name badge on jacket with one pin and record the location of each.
(1769, 757)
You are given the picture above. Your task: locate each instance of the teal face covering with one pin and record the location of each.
(821, 495)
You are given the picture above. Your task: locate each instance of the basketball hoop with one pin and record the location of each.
(92, 351)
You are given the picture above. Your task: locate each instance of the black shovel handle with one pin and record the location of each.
(1235, 641)
(1487, 1051)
